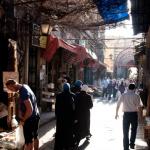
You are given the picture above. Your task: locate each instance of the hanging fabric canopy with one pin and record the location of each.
(96, 64)
(72, 53)
(112, 11)
(53, 44)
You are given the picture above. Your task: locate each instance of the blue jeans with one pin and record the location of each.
(129, 118)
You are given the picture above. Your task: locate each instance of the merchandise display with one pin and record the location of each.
(9, 136)
(8, 140)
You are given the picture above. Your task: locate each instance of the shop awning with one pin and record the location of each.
(72, 53)
(82, 53)
(76, 53)
(96, 64)
(54, 43)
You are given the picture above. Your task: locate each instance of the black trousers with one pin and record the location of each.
(129, 119)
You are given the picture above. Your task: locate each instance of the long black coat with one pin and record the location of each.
(83, 104)
(64, 111)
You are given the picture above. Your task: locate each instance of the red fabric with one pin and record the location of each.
(82, 53)
(68, 57)
(76, 53)
(53, 43)
(96, 64)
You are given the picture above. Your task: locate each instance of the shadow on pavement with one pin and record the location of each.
(138, 147)
(48, 146)
(84, 145)
(47, 128)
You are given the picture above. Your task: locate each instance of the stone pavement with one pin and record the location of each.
(106, 131)
(46, 117)
(116, 131)
(140, 141)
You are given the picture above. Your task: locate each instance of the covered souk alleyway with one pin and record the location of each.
(106, 130)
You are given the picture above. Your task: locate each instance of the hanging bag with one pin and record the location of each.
(20, 140)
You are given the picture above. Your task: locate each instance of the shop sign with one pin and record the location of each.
(38, 40)
(43, 41)
(36, 35)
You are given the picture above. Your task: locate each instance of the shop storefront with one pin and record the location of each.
(75, 60)
(9, 132)
(59, 57)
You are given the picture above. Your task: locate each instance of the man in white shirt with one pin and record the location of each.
(131, 103)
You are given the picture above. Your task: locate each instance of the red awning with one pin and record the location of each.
(77, 53)
(53, 43)
(82, 53)
(96, 64)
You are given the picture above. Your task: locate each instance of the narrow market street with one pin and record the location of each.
(106, 130)
(51, 47)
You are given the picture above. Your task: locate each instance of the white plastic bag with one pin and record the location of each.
(20, 141)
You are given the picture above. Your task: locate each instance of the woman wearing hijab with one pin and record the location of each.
(77, 86)
(64, 111)
(83, 104)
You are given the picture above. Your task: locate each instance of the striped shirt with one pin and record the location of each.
(130, 101)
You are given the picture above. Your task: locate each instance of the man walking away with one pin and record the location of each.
(131, 103)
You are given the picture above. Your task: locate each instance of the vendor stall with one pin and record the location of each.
(12, 139)
(8, 140)
(11, 134)
(48, 97)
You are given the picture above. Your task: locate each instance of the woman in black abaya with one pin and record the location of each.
(64, 111)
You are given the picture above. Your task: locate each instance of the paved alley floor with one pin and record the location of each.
(106, 130)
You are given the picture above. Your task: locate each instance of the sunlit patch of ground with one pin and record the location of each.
(105, 129)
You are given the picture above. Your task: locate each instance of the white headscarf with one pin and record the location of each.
(85, 88)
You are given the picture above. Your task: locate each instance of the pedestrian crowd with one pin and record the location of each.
(113, 88)
(72, 111)
(133, 102)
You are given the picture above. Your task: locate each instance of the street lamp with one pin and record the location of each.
(40, 33)
(46, 28)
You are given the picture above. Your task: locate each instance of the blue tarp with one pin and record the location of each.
(112, 11)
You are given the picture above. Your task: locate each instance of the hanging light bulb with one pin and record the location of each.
(46, 28)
